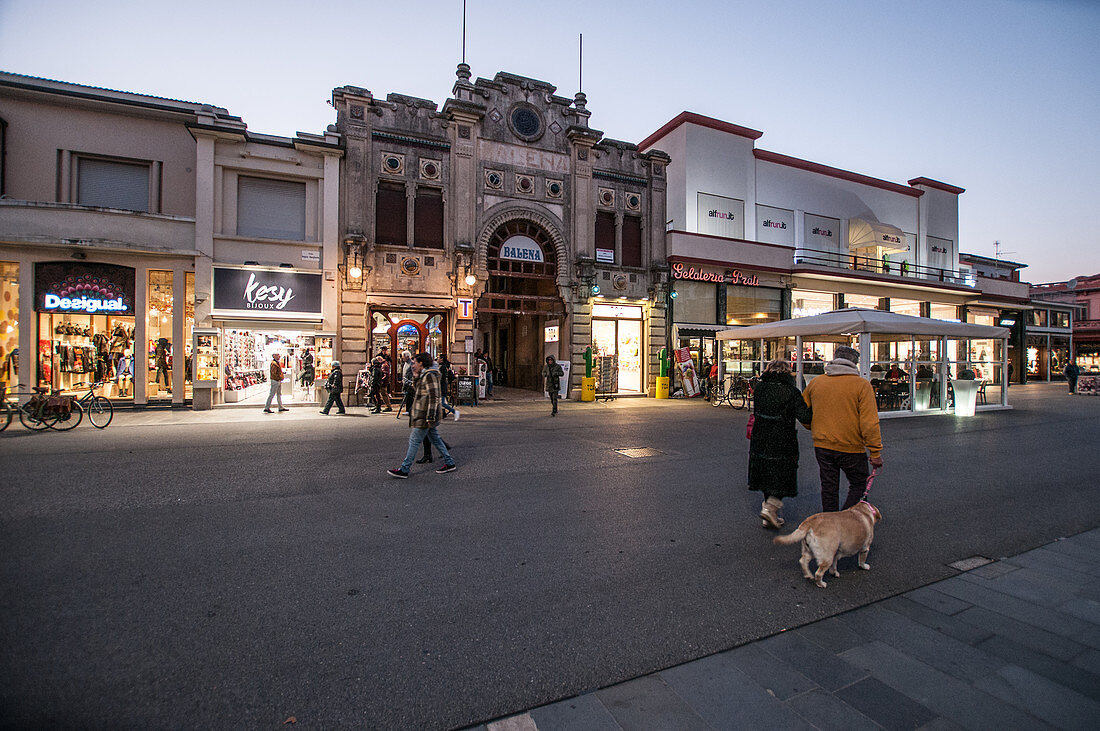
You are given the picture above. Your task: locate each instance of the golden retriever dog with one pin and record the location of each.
(828, 537)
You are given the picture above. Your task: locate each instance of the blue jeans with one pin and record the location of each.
(446, 406)
(416, 438)
(488, 384)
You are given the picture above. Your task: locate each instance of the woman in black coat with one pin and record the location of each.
(773, 450)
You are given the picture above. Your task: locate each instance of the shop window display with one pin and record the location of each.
(306, 359)
(75, 349)
(9, 325)
(158, 332)
(188, 329)
(805, 303)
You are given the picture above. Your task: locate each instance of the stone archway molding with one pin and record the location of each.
(511, 211)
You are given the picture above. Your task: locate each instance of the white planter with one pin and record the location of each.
(966, 396)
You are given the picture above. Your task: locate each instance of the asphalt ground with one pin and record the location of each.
(236, 569)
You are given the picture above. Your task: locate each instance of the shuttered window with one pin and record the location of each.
(271, 209)
(390, 225)
(632, 241)
(605, 231)
(428, 219)
(112, 184)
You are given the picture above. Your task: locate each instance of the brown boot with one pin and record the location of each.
(769, 513)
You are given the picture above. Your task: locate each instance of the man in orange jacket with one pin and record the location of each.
(844, 427)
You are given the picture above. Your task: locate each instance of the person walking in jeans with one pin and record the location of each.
(425, 414)
(552, 373)
(845, 428)
(275, 376)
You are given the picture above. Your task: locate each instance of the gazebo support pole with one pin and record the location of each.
(943, 373)
(912, 373)
(865, 355)
(798, 362)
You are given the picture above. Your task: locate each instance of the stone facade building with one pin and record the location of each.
(501, 222)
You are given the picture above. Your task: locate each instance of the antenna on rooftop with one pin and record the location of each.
(997, 252)
(463, 31)
(580, 62)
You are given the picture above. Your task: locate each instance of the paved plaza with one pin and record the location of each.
(604, 568)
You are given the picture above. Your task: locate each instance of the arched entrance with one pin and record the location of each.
(416, 332)
(520, 301)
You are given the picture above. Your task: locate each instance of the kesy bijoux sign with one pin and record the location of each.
(267, 293)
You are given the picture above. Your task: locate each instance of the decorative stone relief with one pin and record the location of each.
(554, 189)
(525, 184)
(494, 180)
(607, 197)
(393, 163)
(430, 169)
(633, 202)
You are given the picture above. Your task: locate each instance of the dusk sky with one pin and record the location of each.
(1001, 97)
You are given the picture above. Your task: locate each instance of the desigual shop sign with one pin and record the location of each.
(267, 293)
(698, 274)
(86, 289)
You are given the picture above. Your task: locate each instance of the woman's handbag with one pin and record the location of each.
(748, 427)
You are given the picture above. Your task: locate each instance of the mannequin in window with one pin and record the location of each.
(161, 360)
(308, 375)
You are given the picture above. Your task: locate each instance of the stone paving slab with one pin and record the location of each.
(1012, 644)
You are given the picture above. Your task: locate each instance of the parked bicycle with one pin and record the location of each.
(7, 412)
(735, 391)
(99, 409)
(55, 411)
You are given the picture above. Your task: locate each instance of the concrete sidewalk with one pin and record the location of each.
(1013, 643)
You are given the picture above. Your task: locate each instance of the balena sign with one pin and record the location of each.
(267, 293)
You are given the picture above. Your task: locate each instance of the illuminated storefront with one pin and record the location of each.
(617, 333)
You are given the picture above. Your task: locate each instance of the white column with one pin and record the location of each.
(865, 355)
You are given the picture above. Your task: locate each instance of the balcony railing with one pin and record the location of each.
(854, 262)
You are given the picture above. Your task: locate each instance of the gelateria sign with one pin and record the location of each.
(83, 288)
(267, 293)
(698, 274)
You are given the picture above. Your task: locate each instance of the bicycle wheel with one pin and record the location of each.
(740, 400)
(100, 412)
(5, 416)
(33, 419)
(76, 415)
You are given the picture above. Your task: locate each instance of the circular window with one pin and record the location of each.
(495, 180)
(607, 197)
(526, 122)
(410, 266)
(430, 170)
(555, 189)
(393, 163)
(634, 201)
(525, 185)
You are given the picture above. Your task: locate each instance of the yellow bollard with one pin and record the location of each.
(662, 387)
(588, 389)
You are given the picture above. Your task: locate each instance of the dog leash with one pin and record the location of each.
(867, 490)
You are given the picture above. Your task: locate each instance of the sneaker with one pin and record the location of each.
(323, 412)
(268, 411)
(284, 409)
(457, 414)
(443, 470)
(398, 473)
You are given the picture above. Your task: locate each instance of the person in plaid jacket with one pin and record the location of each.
(425, 414)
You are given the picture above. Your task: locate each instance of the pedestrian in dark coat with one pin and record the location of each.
(335, 386)
(773, 449)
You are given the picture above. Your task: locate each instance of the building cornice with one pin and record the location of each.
(702, 121)
(813, 167)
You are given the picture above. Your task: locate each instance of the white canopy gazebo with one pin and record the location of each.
(875, 326)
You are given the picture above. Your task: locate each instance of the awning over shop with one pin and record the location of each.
(855, 321)
(409, 301)
(864, 235)
(699, 330)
